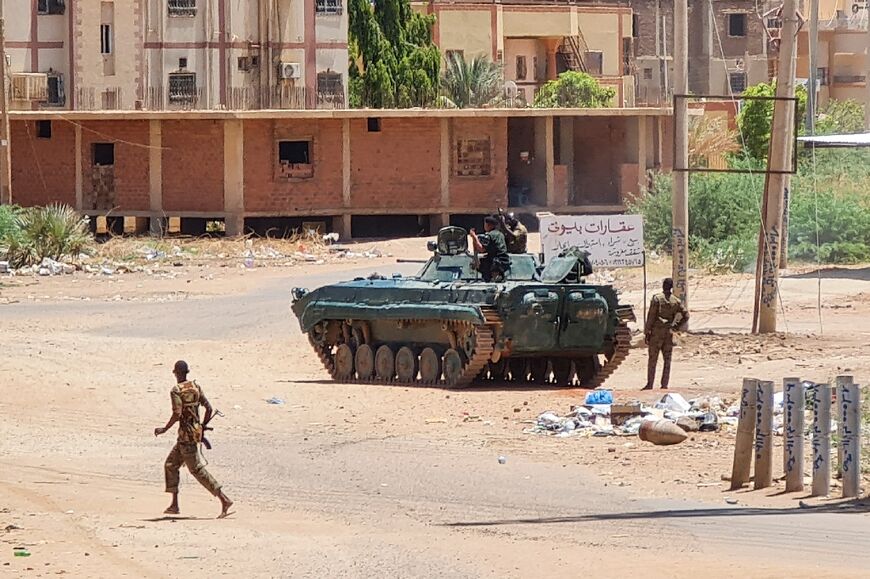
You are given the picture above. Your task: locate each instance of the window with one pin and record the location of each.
(374, 124)
(182, 87)
(737, 82)
(103, 154)
(737, 25)
(822, 75)
(248, 63)
(329, 83)
(454, 54)
(773, 23)
(105, 39)
(294, 160)
(521, 68)
(473, 158)
(328, 6)
(50, 6)
(182, 63)
(56, 96)
(594, 60)
(647, 73)
(635, 26)
(182, 7)
(43, 129)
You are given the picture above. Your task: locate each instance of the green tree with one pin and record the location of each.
(755, 117)
(393, 62)
(841, 117)
(574, 90)
(476, 83)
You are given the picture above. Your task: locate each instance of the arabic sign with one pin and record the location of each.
(611, 240)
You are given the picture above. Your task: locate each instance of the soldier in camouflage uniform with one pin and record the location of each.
(515, 233)
(187, 397)
(666, 314)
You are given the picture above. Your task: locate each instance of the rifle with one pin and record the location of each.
(206, 427)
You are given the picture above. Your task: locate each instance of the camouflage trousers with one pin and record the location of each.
(659, 341)
(188, 454)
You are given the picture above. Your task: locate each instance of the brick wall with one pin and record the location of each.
(193, 166)
(264, 192)
(43, 170)
(398, 167)
(599, 151)
(490, 191)
(131, 179)
(737, 46)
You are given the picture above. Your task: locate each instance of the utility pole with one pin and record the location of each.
(812, 95)
(779, 158)
(680, 210)
(5, 157)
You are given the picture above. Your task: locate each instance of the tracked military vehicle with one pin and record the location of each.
(445, 326)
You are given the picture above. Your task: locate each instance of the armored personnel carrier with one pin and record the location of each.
(445, 326)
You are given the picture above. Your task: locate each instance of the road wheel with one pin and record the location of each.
(452, 367)
(365, 362)
(385, 363)
(344, 362)
(430, 366)
(406, 365)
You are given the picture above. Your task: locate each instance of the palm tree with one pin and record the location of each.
(471, 84)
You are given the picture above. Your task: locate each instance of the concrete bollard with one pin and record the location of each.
(794, 404)
(821, 440)
(850, 417)
(764, 435)
(745, 434)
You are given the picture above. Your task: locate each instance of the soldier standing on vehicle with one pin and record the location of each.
(187, 397)
(515, 234)
(495, 261)
(666, 315)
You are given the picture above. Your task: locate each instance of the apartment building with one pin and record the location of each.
(177, 54)
(537, 39)
(729, 47)
(842, 65)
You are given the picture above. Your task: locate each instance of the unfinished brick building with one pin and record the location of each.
(346, 170)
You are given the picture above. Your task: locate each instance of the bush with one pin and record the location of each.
(840, 117)
(34, 233)
(724, 213)
(755, 117)
(574, 90)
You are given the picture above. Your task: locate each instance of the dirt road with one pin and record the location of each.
(361, 481)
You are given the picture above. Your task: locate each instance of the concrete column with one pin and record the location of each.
(849, 397)
(764, 436)
(552, 45)
(566, 148)
(643, 149)
(745, 434)
(234, 176)
(342, 223)
(79, 177)
(550, 152)
(446, 126)
(155, 176)
(821, 440)
(793, 447)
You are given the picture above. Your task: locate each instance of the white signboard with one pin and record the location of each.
(611, 240)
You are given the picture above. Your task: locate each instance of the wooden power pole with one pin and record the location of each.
(680, 209)
(779, 159)
(5, 157)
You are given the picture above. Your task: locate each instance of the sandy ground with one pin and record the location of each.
(361, 481)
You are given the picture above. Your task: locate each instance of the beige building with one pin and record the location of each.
(171, 54)
(535, 41)
(842, 65)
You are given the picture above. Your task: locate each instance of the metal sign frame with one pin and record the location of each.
(794, 161)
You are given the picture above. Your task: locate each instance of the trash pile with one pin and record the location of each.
(600, 416)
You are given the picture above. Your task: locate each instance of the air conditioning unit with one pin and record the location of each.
(289, 70)
(29, 86)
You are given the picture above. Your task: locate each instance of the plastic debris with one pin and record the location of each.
(502, 459)
(675, 402)
(275, 400)
(600, 397)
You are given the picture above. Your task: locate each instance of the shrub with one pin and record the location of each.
(574, 90)
(54, 231)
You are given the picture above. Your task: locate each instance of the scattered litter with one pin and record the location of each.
(600, 397)
(502, 460)
(20, 552)
(275, 400)
(4, 267)
(436, 421)
(674, 402)
(731, 501)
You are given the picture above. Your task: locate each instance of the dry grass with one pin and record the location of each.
(710, 139)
